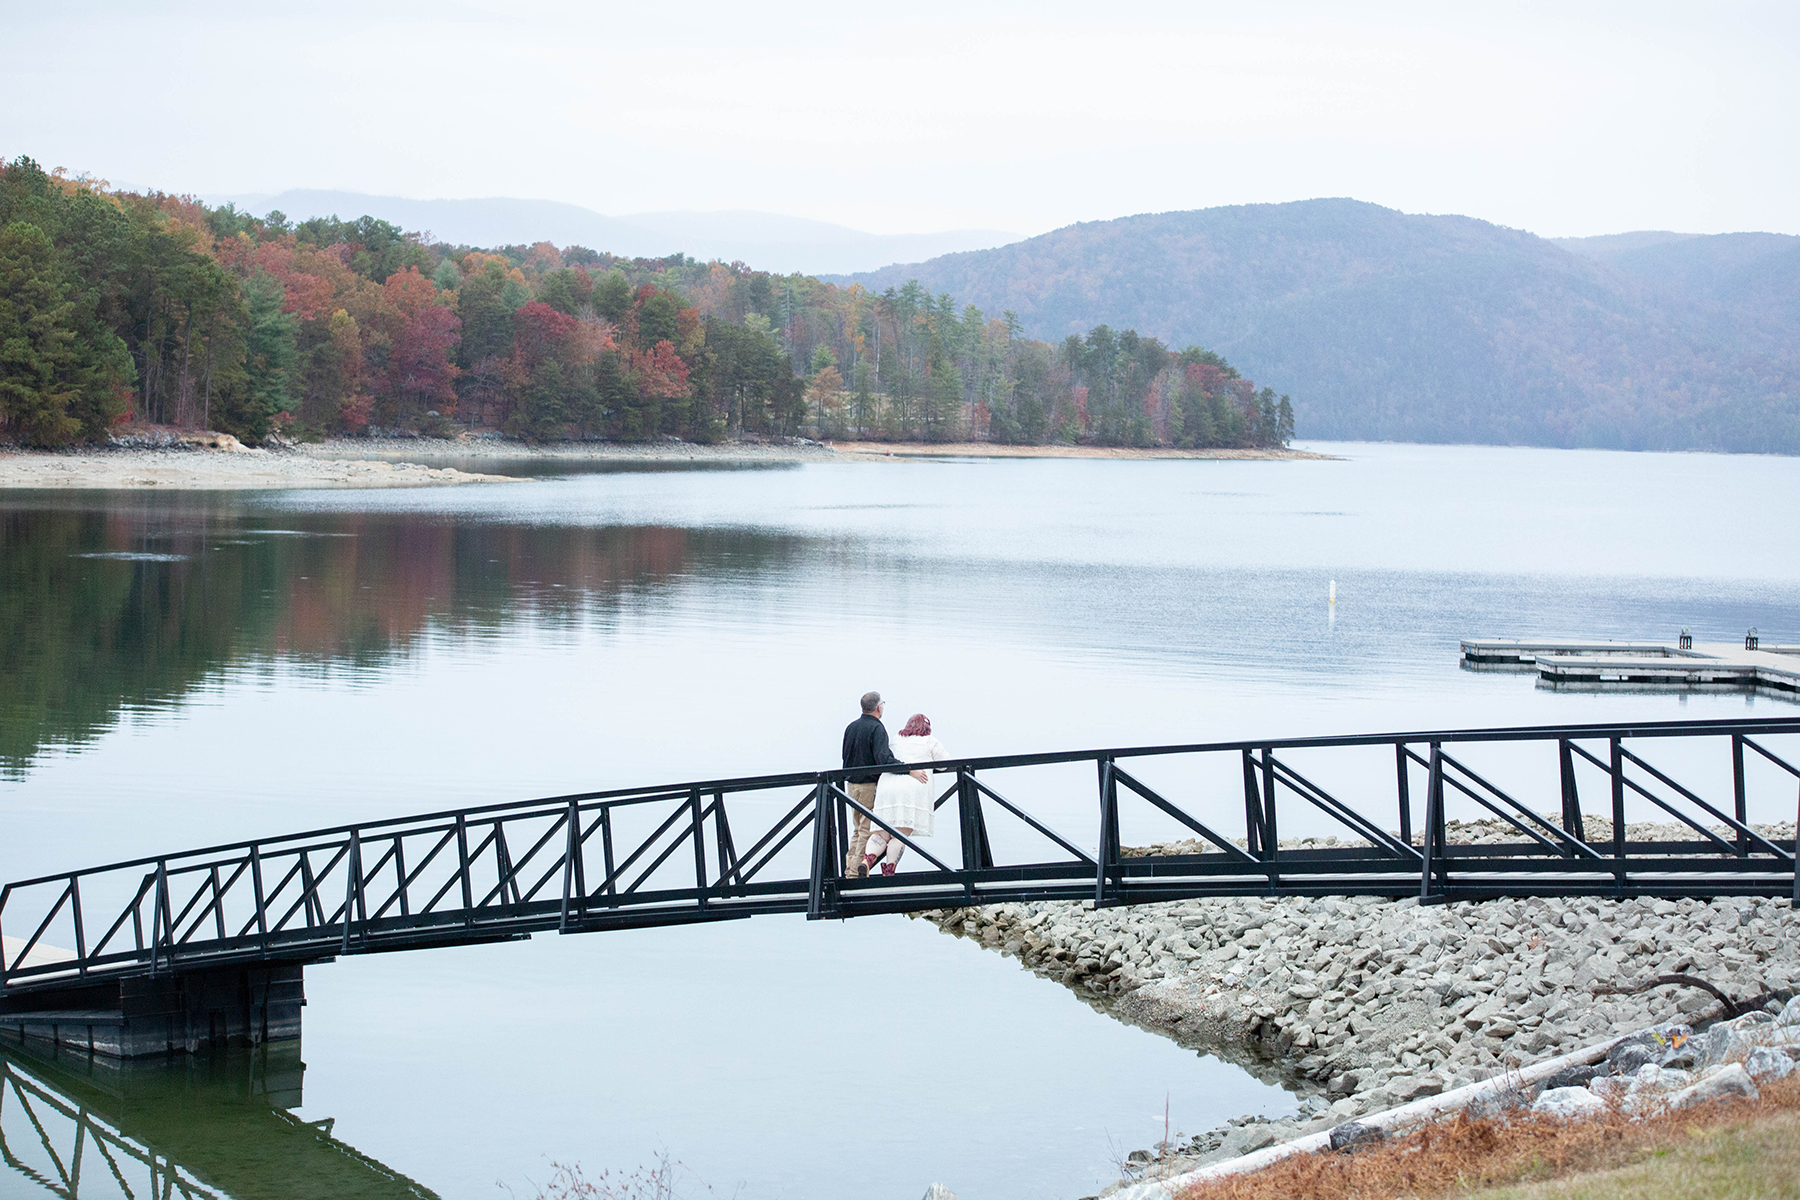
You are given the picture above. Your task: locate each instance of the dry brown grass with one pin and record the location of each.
(1689, 1152)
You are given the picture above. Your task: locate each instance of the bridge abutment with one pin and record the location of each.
(180, 1012)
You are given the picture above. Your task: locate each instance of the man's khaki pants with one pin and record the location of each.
(863, 794)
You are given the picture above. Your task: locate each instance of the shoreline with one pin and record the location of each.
(1357, 1004)
(792, 450)
(213, 462)
(194, 469)
(1132, 453)
(465, 449)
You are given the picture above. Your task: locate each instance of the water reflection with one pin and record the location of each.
(128, 605)
(81, 1125)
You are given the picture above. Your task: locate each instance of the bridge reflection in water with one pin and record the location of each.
(216, 1125)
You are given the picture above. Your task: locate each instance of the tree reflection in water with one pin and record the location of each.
(109, 604)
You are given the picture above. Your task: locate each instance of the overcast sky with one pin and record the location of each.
(1563, 118)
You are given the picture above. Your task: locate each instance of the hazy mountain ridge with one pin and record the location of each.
(1393, 326)
(768, 241)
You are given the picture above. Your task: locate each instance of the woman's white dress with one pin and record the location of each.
(903, 801)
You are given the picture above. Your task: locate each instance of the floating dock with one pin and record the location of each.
(1641, 664)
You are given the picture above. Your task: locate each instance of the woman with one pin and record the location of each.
(902, 801)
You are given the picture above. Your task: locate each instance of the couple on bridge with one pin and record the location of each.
(902, 800)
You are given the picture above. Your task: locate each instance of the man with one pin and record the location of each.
(866, 745)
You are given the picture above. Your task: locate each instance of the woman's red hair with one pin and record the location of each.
(918, 726)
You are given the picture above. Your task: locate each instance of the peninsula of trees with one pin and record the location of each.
(118, 306)
(1391, 326)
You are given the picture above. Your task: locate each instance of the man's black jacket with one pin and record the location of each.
(866, 745)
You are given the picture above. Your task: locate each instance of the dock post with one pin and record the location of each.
(977, 853)
(1618, 813)
(571, 847)
(1404, 792)
(353, 887)
(462, 869)
(1108, 856)
(699, 817)
(1271, 839)
(1434, 829)
(1573, 825)
(1252, 808)
(827, 860)
(1737, 791)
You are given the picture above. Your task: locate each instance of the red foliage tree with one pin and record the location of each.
(1206, 377)
(540, 333)
(419, 366)
(408, 291)
(660, 371)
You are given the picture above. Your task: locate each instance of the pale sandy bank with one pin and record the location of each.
(217, 470)
(489, 446)
(407, 462)
(797, 450)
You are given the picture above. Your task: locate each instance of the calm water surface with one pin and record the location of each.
(191, 668)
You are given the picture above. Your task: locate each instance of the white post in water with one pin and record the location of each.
(1334, 591)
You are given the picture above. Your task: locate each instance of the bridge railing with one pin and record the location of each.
(1372, 814)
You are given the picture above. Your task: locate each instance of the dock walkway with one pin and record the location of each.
(1709, 664)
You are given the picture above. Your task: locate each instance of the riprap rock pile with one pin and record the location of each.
(1374, 1002)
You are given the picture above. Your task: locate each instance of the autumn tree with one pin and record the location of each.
(825, 399)
(542, 344)
(420, 373)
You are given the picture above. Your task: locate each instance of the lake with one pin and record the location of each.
(184, 669)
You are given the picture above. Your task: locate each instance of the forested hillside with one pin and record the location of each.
(1390, 326)
(116, 305)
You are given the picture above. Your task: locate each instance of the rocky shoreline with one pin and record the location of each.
(1360, 1004)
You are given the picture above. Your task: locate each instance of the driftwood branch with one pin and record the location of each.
(1733, 1008)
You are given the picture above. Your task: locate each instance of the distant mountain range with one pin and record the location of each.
(1389, 326)
(767, 241)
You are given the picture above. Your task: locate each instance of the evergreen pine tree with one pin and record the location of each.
(54, 384)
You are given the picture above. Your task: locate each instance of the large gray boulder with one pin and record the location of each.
(1569, 1102)
(1355, 1135)
(1766, 1062)
(1652, 1078)
(1245, 1139)
(1723, 1083)
(1728, 1042)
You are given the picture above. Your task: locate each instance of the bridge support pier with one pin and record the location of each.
(179, 1012)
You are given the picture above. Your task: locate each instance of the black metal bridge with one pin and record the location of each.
(1378, 815)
